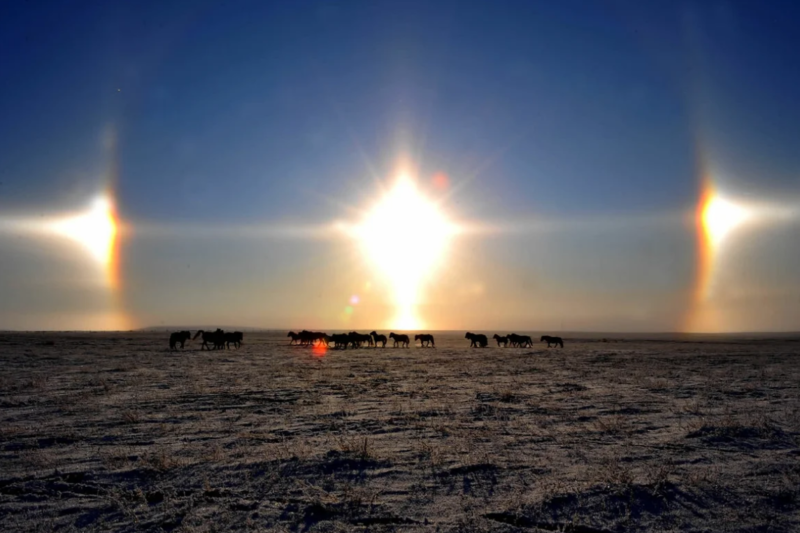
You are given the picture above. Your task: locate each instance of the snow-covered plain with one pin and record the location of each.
(113, 432)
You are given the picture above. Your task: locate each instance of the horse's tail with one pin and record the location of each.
(199, 332)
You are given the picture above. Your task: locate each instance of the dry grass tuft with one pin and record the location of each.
(131, 416)
(358, 446)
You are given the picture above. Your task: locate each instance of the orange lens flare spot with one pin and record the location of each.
(319, 349)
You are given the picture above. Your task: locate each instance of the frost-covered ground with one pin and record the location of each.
(112, 432)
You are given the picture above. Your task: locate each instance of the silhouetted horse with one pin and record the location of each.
(357, 339)
(558, 341)
(424, 338)
(501, 340)
(306, 337)
(217, 338)
(401, 339)
(378, 339)
(178, 337)
(311, 337)
(295, 337)
(476, 340)
(235, 338)
(340, 340)
(517, 340)
(525, 341)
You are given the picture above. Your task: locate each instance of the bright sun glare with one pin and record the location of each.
(720, 217)
(406, 238)
(95, 229)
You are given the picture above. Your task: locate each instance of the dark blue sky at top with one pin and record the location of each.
(251, 111)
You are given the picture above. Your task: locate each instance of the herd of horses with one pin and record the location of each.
(374, 339)
(220, 340)
(357, 340)
(478, 340)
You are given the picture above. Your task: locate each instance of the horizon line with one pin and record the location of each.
(276, 329)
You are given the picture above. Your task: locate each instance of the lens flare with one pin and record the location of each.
(319, 350)
(406, 238)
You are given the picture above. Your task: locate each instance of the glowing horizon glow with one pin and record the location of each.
(406, 238)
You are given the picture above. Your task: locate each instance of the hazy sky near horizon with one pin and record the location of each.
(573, 140)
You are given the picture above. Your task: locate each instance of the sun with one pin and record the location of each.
(406, 238)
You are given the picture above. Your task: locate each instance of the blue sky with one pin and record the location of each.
(590, 115)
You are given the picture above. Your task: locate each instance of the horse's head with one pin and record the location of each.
(375, 333)
(291, 334)
(468, 335)
(417, 337)
(543, 338)
(496, 336)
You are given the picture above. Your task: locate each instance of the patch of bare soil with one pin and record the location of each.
(112, 432)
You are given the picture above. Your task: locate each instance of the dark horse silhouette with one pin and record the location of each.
(307, 338)
(476, 340)
(376, 338)
(501, 341)
(340, 340)
(425, 340)
(525, 341)
(558, 341)
(217, 338)
(357, 339)
(235, 338)
(401, 339)
(178, 337)
(520, 341)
